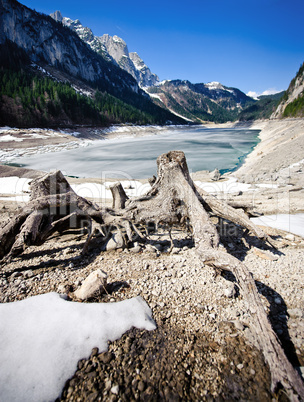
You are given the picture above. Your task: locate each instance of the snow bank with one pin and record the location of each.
(290, 223)
(20, 187)
(92, 190)
(42, 339)
(8, 137)
(14, 185)
(229, 186)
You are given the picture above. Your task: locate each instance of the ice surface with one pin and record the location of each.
(42, 339)
(290, 223)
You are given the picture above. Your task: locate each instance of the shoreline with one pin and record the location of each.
(269, 180)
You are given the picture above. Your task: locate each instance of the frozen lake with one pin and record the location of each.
(205, 149)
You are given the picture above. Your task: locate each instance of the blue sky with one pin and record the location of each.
(253, 45)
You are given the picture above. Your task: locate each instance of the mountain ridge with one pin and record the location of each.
(111, 48)
(200, 102)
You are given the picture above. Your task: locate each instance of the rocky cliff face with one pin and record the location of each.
(112, 48)
(293, 95)
(48, 42)
(200, 102)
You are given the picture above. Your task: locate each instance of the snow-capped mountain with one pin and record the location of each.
(200, 102)
(112, 48)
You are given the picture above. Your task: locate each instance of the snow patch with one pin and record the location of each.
(214, 85)
(290, 223)
(229, 186)
(42, 339)
(8, 137)
(14, 185)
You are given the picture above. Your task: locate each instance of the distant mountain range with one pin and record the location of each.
(106, 83)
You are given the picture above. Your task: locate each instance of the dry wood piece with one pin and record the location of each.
(172, 200)
(119, 196)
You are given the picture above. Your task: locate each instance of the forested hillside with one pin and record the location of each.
(262, 109)
(28, 97)
(292, 103)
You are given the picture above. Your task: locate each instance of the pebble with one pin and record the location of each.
(115, 389)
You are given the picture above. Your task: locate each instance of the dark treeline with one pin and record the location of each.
(28, 99)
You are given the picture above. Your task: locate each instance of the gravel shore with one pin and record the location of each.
(202, 348)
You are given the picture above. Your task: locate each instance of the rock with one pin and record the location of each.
(230, 291)
(115, 389)
(115, 242)
(62, 289)
(277, 300)
(238, 325)
(106, 357)
(141, 386)
(135, 249)
(29, 274)
(175, 250)
(290, 237)
(96, 282)
(215, 175)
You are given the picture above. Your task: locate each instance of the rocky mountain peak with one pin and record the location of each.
(214, 85)
(116, 47)
(57, 16)
(112, 48)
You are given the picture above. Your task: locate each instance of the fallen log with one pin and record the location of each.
(172, 200)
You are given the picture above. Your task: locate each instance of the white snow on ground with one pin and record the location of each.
(8, 137)
(229, 186)
(92, 190)
(290, 223)
(42, 339)
(133, 188)
(6, 128)
(74, 133)
(36, 136)
(14, 185)
(19, 187)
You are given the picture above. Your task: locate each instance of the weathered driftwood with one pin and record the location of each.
(172, 200)
(119, 196)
